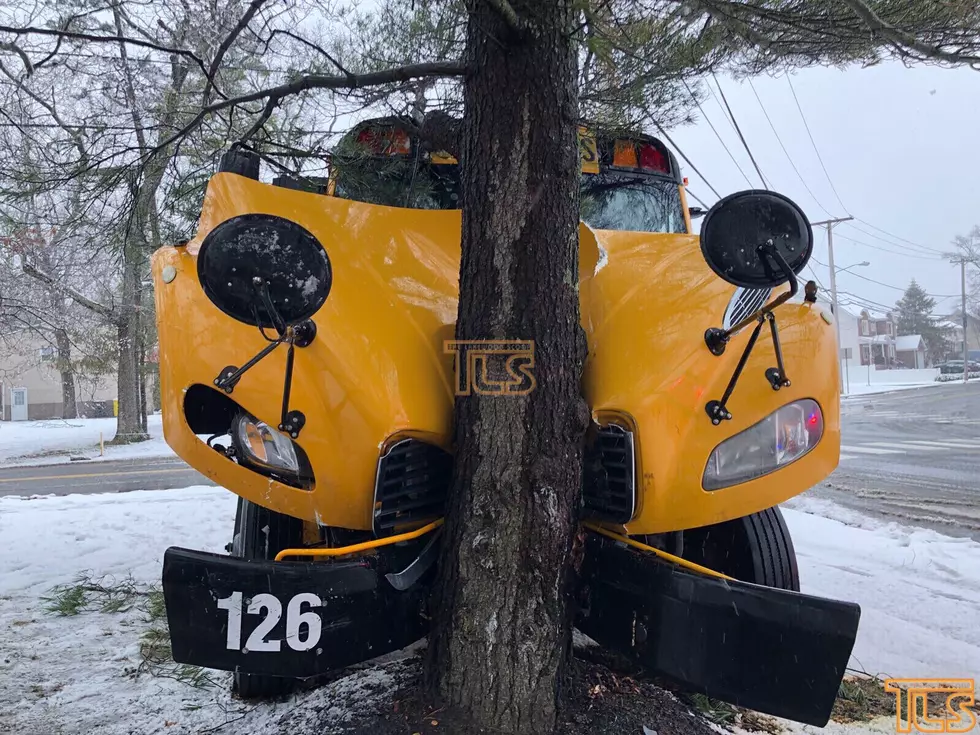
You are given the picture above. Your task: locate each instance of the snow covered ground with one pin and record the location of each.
(919, 591)
(57, 440)
(865, 390)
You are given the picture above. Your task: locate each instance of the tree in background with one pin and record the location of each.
(914, 315)
(521, 72)
(968, 253)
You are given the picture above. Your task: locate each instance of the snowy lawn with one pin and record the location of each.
(865, 390)
(87, 673)
(56, 441)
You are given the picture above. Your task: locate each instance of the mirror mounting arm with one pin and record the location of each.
(717, 339)
(717, 410)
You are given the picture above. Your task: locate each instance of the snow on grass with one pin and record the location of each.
(855, 390)
(55, 441)
(919, 590)
(85, 673)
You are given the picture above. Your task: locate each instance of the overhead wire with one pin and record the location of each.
(695, 197)
(921, 250)
(686, 159)
(704, 115)
(739, 131)
(882, 283)
(887, 250)
(897, 237)
(814, 144)
(788, 156)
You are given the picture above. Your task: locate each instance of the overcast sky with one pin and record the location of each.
(901, 146)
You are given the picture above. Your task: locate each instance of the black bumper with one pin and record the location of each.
(771, 650)
(313, 616)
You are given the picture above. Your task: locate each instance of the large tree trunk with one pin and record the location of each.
(69, 403)
(502, 630)
(128, 426)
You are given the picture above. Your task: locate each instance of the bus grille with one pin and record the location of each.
(411, 486)
(609, 493)
(745, 301)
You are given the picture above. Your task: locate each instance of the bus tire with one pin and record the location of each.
(260, 534)
(756, 548)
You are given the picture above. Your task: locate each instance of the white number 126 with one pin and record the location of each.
(302, 628)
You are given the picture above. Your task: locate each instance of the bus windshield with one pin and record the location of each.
(614, 201)
(611, 198)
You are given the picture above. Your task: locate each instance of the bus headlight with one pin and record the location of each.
(778, 440)
(261, 445)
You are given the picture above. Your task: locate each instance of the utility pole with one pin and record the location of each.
(833, 284)
(966, 362)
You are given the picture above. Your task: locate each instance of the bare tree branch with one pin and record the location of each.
(21, 53)
(319, 49)
(95, 38)
(242, 24)
(435, 69)
(76, 296)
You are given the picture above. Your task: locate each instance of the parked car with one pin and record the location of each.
(954, 367)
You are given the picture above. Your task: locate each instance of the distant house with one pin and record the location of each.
(910, 350)
(30, 384)
(877, 333)
(953, 324)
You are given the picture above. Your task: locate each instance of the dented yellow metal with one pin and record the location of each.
(377, 371)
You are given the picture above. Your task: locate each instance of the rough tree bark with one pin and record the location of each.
(502, 630)
(69, 404)
(128, 426)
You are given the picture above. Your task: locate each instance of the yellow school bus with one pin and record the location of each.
(303, 367)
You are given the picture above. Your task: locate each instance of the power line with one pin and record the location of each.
(816, 277)
(788, 156)
(695, 197)
(881, 283)
(917, 249)
(813, 143)
(739, 131)
(886, 250)
(704, 114)
(686, 159)
(897, 237)
(830, 181)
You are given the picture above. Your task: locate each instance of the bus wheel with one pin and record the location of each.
(756, 548)
(260, 534)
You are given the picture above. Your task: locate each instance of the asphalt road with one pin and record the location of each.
(912, 456)
(99, 477)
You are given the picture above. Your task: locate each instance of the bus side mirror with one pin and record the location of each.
(756, 239)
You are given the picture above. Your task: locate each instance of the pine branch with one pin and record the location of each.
(902, 40)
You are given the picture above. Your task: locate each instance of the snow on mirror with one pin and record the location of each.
(737, 229)
(264, 270)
